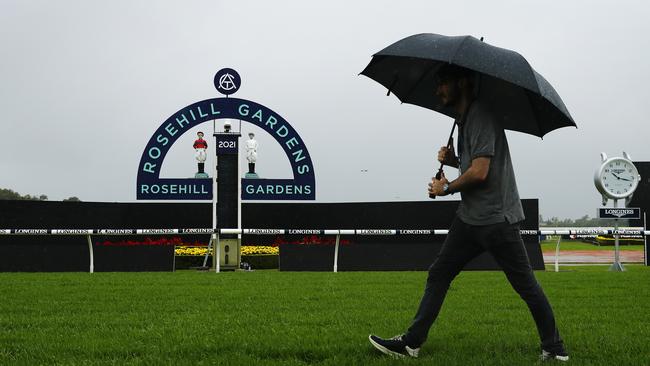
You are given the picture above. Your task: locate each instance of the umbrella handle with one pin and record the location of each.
(450, 142)
(438, 176)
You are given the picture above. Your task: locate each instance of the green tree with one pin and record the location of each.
(584, 221)
(8, 194)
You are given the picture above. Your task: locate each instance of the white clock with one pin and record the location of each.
(616, 178)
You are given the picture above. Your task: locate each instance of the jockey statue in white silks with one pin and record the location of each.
(200, 147)
(251, 152)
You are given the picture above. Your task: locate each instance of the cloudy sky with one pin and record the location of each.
(86, 83)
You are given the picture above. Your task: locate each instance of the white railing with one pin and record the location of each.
(190, 231)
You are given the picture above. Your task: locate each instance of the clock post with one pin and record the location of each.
(617, 266)
(616, 178)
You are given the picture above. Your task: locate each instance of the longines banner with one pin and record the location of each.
(619, 213)
(150, 186)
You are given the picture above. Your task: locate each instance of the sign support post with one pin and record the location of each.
(227, 199)
(214, 238)
(645, 241)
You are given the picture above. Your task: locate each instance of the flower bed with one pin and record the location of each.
(190, 251)
(258, 257)
(623, 240)
(247, 250)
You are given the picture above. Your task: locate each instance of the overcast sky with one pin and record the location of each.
(84, 85)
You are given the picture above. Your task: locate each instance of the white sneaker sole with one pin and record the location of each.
(562, 358)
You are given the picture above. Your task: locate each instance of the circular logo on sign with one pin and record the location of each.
(227, 81)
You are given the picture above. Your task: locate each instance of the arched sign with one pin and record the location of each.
(150, 186)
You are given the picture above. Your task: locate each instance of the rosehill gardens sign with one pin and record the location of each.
(151, 186)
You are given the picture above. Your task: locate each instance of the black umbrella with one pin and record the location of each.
(520, 97)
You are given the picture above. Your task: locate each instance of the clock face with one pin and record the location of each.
(618, 178)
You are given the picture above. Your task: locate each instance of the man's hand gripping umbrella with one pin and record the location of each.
(446, 156)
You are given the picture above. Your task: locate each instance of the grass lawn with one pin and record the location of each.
(288, 318)
(549, 245)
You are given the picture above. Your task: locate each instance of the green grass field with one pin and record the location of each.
(549, 245)
(280, 318)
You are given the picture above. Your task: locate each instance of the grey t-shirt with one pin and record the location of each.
(497, 199)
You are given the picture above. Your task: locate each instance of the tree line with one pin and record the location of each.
(10, 195)
(584, 221)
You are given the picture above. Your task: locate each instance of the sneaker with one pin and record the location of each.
(559, 356)
(394, 347)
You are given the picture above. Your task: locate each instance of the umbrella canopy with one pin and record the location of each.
(520, 97)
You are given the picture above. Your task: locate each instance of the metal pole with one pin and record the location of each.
(645, 241)
(207, 252)
(557, 254)
(92, 257)
(239, 236)
(217, 255)
(215, 179)
(617, 266)
(336, 253)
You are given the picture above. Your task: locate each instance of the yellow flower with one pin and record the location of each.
(259, 250)
(190, 251)
(186, 250)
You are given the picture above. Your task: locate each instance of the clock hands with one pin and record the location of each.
(619, 178)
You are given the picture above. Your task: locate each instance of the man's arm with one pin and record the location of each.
(475, 175)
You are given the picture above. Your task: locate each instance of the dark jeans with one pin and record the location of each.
(465, 242)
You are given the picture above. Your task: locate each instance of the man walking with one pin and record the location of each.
(487, 220)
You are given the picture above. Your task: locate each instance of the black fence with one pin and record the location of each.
(297, 252)
(370, 253)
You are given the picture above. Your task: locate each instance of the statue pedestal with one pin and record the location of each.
(251, 176)
(201, 175)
